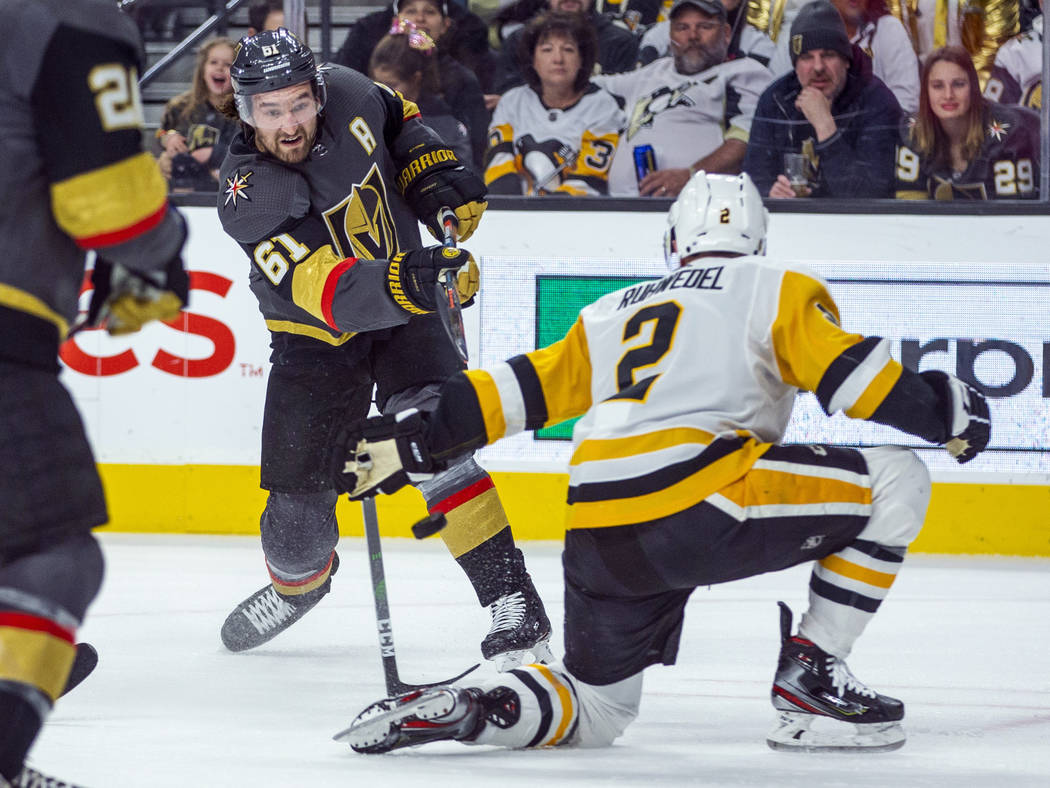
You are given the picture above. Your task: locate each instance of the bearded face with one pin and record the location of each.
(698, 41)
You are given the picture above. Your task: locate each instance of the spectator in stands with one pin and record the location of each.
(265, 15)
(1017, 75)
(883, 38)
(406, 60)
(460, 88)
(458, 33)
(617, 46)
(194, 135)
(746, 40)
(693, 107)
(963, 146)
(557, 134)
(832, 110)
(980, 26)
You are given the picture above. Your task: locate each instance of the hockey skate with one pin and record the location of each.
(519, 626)
(266, 614)
(31, 778)
(822, 707)
(427, 715)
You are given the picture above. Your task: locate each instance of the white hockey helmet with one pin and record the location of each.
(715, 213)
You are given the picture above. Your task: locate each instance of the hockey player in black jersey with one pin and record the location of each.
(73, 178)
(322, 188)
(678, 479)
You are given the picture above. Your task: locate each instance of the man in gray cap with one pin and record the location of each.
(831, 110)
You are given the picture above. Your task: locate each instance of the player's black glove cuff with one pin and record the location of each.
(412, 277)
(967, 422)
(435, 179)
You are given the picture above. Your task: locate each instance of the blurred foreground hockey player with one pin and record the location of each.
(677, 481)
(73, 177)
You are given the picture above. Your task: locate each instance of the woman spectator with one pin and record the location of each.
(194, 135)
(406, 60)
(871, 26)
(963, 146)
(557, 133)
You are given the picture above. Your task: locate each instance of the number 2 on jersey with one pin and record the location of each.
(665, 316)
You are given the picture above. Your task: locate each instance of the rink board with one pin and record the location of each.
(175, 412)
(962, 519)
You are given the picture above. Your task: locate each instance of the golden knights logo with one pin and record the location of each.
(237, 188)
(361, 225)
(656, 102)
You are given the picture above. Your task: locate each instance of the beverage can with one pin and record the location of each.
(644, 161)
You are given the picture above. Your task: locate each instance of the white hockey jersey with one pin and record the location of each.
(685, 382)
(536, 149)
(1017, 75)
(683, 116)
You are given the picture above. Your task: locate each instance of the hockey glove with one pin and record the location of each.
(967, 420)
(381, 455)
(434, 179)
(412, 277)
(123, 300)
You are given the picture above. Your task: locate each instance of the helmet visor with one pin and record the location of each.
(282, 109)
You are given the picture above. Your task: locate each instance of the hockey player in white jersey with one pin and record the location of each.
(678, 480)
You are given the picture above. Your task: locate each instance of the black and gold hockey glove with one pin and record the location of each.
(967, 419)
(381, 455)
(434, 179)
(123, 300)
(412, 277)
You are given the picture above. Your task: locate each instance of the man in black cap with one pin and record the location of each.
(832, 110)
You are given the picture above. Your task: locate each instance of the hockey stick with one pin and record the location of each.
(449, 308)
(394, 685)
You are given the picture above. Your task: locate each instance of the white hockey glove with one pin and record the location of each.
(381, 455)
(968, 421)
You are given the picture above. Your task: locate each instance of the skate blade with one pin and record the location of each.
(792, 733)
(377, 725)
(539, 653)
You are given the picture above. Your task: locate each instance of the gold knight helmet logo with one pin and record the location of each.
(361, 225)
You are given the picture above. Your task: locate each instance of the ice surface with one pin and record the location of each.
(965, 642)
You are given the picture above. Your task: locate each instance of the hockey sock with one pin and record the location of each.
(845, 590)
(495, 567)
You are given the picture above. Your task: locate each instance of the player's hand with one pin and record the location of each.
(968, 422)
(435, 179)
(381, 455)
(123, 300)
(412, 277)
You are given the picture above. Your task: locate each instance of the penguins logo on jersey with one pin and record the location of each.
(645, 109)
(361, 225)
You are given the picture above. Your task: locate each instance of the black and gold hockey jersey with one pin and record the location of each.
(1005, 168)
(73, 172)
(684, 384)
(535, 149)
(319, 233)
